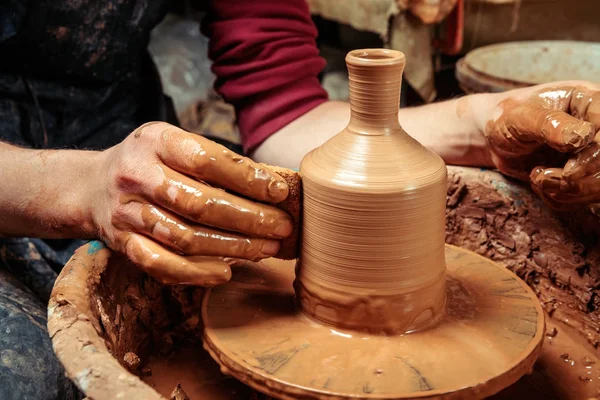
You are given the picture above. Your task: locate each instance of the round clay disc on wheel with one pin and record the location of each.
(490, 337)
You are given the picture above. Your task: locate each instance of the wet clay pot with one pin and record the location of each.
(372, 255)
(109, 322)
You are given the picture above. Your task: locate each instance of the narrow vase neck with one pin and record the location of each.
(375, 81)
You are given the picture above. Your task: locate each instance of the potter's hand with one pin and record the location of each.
(162, 201)
(536, 130)
(578, 183)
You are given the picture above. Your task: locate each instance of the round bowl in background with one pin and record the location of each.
(501, 67)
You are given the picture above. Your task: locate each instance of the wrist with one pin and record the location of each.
(483, 106)
(44, 192)
(91, 188)
(77, 173)
(484, 109)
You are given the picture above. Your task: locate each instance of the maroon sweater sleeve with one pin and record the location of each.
(266, 62)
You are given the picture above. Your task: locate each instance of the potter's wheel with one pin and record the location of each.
(490, 337)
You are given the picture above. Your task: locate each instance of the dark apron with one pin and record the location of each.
(73, 74)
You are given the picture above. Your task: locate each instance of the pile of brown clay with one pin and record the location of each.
(556, 254)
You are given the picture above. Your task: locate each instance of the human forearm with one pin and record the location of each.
(287, 146)
(266, 62)
(43, 192)
(453, 129)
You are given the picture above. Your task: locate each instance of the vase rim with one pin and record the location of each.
(363, 57)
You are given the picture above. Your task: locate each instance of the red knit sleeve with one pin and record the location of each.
(266, 62)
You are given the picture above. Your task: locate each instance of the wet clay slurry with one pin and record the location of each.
(193, 239)
(489, 337)
(196, 373)
(372, 254)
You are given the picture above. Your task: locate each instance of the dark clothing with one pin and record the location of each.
(73, 74)
(76, 69)
(29, 370)
(77, 73)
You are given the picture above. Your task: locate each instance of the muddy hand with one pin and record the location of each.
(172, 202)
(578, 183)
(536, 130)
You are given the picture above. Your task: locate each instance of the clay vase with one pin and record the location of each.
(374, 206)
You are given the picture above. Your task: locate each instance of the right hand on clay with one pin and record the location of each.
(547, 134)
(165, 198)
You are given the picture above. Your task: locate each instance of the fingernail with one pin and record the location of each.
(570, 169)
(284, 229)
(270, 247)
(535, 173)
(581, 134)
(278, 189)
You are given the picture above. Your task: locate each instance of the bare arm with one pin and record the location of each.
(158, 197)
(43, 193)
(545, 135)
(451, 129)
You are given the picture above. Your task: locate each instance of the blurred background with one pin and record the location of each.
(452, 46)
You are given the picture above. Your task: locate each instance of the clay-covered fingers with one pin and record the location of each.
(562, 192)
(211, 162)
(584, 163)
(170, 268)
(215, 207)
(191, 239)
(585, 105)
(520, 167)
(532, 124)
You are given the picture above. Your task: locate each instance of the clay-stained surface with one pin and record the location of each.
(82, 333)
(199, 376)
(556, 254)
(113, 326)
(490, 336)
(103, 321)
